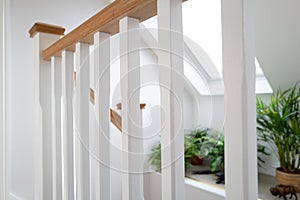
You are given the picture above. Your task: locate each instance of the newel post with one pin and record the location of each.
(44, 35)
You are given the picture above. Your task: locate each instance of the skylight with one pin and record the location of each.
(202, 24)
(202, 29)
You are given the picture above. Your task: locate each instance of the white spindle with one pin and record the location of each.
(42, 142)
(2, 100)
(82, 89)
(171, 72)
(67, 125)
(102, 111)
(132, 142)
(56, 127)
(238, 30)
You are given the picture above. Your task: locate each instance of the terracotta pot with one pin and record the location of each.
(196, 160)
(285, 178)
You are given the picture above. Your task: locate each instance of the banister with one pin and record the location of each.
(115, 118)
(119, 106)
(40, 27)
(107, 20)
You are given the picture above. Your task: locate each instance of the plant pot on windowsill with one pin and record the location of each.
(196, 160)
(278, 124)
(288, 178)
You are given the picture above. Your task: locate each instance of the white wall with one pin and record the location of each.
(211, 111)
(189, 111)
(20, 75)
(278, 41)
(194, 190)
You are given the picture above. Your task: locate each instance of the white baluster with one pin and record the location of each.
(42, 113)
(56, 127)
(3, 35)
(238, 31)
(171, 72)
(67, 125)
(82, 122)
(102, 111)
(132, 142)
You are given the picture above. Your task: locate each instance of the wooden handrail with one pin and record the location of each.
(107, 20)
(40, 27)
(119, 106)
(115, 118)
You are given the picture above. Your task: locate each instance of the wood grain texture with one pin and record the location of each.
(115, 118)
(119, 106)
(107, 21)
(40, 27)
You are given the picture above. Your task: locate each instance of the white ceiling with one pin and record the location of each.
(278, 41)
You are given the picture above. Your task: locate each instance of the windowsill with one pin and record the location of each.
(207, 183)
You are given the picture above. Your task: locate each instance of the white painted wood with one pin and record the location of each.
(171, 71)
(2, 101)
(42, 114)
(132, 141)
(238, 29)
(56, 89)
(81, 115)
(67, 68)
(102, 112)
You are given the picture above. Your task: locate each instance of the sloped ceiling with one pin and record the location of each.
(278, 41)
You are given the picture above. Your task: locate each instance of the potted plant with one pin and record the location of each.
(216, 156)
(193, 146)
(192, 149)
(278, 123)
(155, 157)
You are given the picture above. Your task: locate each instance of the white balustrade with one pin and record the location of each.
(81, 116)
(56, 89)
(238, 31)
(170, 60)
(67, 138)
(132, 137)
(62, 143)
(102, 112)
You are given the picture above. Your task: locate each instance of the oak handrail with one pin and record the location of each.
(107, 20)
(40, 27)
(115, 118)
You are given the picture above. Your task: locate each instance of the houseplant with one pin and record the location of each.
(216, 156)
(192, 149)
(193, 146)
(278, 123)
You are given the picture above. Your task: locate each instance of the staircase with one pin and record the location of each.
(63, 165)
